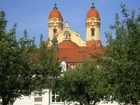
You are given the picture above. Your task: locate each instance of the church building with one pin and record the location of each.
(71, 49)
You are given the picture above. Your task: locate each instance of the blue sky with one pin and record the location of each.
(32, 15)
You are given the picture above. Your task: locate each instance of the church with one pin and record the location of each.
(71, 49)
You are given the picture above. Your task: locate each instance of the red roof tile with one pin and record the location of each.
(67, 44)
(55, 13)
(77, 54)
(92, 13)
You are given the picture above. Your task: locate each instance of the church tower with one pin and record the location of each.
(92, 26)
(55, 22)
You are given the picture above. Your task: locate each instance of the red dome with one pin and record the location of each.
(55, 13)
(92, 13)
(67, 44)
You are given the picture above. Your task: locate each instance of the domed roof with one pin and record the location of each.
(55, 13)
(92, 12)
(67, 44)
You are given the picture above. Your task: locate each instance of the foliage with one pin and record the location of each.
(82, 85)
(15, 66)
(47, 66)
(121, 63)
(23, 67)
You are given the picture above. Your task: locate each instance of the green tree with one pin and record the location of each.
(82, 85)
(121, 63)
(15, 64)
(49, 64)
(23, 67)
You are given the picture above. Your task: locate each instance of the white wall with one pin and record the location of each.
(30, 100)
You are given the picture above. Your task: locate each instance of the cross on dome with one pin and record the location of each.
(92, 12)
(55, 13)
(55, 6)
(92, 5)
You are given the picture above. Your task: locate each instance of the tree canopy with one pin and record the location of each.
(121, 63)
(50, 68)
(24, 68)
(82, 85)
(15, 65)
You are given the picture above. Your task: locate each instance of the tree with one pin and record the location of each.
(50, 68)
(82, 85)
(121, 63)
(23, 67)
(15, 65)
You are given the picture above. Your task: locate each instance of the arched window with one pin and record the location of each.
(67, 35)
(54, 31)
(64, 66)
(92, 31)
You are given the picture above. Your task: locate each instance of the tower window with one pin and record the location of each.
(54, 31)
(92, 31)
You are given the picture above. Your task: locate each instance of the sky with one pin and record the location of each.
(32, 15)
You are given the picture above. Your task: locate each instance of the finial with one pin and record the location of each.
(55, 6)
(67, 26)
(92, 5)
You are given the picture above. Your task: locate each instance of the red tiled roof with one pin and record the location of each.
(92, 13)
(75, 55)
(55, 13)
(67, 44)
(93, 43)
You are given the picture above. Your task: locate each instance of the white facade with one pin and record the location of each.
(47, 99)
(34, 99)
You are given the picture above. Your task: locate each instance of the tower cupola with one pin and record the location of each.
(92, 24)
(55, 13)
(92, 12)
(55, 22)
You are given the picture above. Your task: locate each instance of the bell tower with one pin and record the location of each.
(92, 24)
(55, 22)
